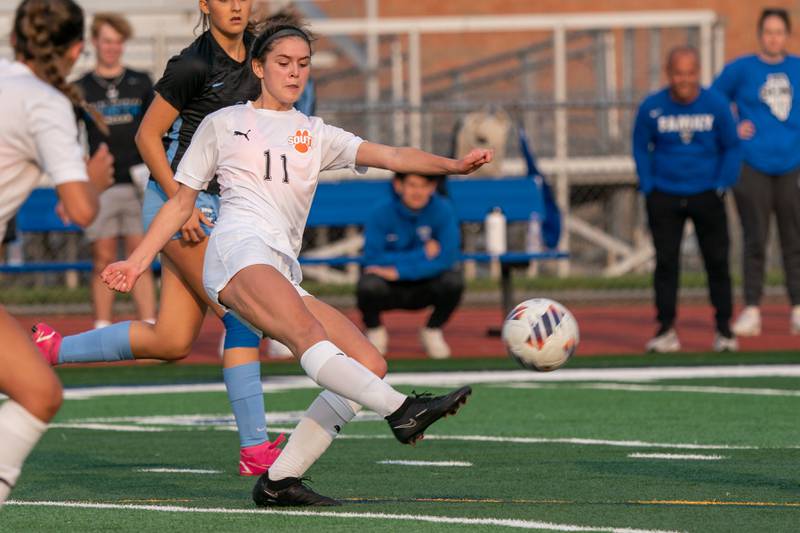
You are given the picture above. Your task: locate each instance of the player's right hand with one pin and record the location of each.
(100, 168)
(120, 276)
(192, 231)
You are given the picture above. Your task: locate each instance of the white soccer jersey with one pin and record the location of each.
(38, 135)
(267, 163)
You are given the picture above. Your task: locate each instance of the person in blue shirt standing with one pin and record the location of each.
(765, 89)
(411, 246)
(687, 155)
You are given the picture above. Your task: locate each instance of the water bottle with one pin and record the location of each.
(496, 232)
(533, 241)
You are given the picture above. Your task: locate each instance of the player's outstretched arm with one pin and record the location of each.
(408, 160)
(122, 275)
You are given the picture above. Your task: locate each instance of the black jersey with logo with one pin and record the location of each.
(122, 101)
(198, 81)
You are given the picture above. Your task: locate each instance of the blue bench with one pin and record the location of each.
(350, 203)
(347, 203)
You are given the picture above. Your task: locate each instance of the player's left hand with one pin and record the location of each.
(120, 276)
(475, 159)
(387, 273)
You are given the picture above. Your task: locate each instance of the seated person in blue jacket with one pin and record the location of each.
(687, 155)
(411, 248)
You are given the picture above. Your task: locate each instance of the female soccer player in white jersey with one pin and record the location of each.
(211, 73)
(38, 134)
(267, 157)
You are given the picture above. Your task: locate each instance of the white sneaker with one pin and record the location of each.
(379, 338)
(434, 343)
(725, 344)
(749, 322)
(667, 342)
(794, 328)
(100, 324)
(278, 350)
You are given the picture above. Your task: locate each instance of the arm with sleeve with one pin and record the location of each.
(642, 154)
(199, 164)
(183, 79)
(53, 128)
(445, 231)
(375, 253)
(727, 82)
(730, 147)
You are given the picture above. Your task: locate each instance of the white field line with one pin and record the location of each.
(664, 388)
(499, 522)
(449, 379)
(676, 456)
(423, 463)
(106, 427)
(179, 471)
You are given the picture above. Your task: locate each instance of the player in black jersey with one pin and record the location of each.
(211, 73)
(121, 95)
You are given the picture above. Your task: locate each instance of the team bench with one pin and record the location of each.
(346, 203)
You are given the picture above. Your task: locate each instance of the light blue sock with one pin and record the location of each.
(112, 343)
(246, 395)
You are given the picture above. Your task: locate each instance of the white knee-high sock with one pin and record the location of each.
(315, 432)
(332, 369)
(19, 433)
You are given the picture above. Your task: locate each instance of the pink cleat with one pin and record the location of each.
(48, 341)
(255, 460)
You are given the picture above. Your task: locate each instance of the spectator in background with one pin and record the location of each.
(687, 155)
(411, 261)
(764, 88)
(121, 95)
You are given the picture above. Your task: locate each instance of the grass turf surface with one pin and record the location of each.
(527, 473)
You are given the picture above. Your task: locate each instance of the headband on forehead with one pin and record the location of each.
(285, 32)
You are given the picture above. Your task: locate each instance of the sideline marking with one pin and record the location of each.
(423, 463)
(678, 456)
(661, 388)
(449, 379)
(179, 471)
(717, 502)
(500, 522)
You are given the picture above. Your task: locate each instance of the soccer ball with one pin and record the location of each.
(540, 334)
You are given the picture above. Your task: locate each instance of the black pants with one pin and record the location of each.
(443, 292)
(667, 216)
(757, 197)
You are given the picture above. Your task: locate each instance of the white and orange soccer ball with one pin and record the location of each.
(540, 334)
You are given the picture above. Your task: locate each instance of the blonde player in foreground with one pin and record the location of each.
(267, 158)
(38, 134)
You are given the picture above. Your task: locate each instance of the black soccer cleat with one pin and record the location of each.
(288, 492)
(411, 420)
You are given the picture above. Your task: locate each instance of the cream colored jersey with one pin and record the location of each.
(38, 135)
(267, 163)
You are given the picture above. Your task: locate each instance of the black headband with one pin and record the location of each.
(285, 32)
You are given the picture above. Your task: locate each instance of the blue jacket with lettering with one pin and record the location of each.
(768, 95)
(686, 149)
(394, 235)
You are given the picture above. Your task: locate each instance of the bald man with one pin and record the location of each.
(687, 156)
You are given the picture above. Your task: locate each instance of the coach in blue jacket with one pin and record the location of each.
(411, 246)
(687, 155)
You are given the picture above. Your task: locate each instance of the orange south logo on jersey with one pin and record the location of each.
(301, 140)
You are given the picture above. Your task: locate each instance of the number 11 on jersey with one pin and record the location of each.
(268, 165)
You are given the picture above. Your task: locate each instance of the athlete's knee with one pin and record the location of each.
(452, 281)
(370, 285)
(44, 397)
(174, 348)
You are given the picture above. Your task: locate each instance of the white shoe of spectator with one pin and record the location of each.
(667, 342)
(434, 343)
(278, 350)
(749, 322)
(725, 344)
(100, 324)
(379, 338)
(795, 323)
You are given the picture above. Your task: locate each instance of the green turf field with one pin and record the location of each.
(681, 447)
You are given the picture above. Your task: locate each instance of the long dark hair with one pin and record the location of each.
(43, 31)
